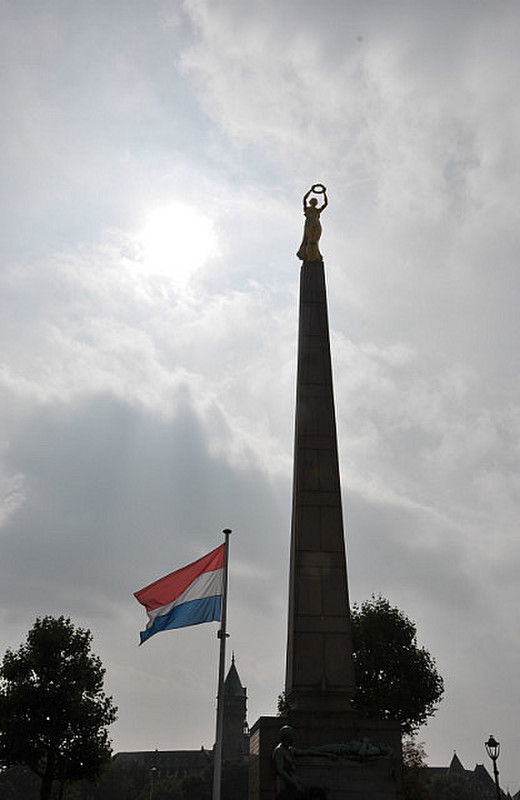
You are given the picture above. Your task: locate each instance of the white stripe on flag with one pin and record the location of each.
(208, 584)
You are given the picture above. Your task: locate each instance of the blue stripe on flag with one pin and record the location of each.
(194, 612)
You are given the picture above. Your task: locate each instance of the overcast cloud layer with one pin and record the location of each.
(154, 159)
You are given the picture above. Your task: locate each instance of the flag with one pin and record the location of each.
(189, 596)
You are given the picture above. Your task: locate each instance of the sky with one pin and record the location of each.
(154, 159)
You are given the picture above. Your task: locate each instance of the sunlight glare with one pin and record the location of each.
(177, 240)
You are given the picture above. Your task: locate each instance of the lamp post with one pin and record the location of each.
(493, 751)
(153, 773)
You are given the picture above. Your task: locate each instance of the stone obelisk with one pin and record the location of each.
(320, 680)
(319, 672)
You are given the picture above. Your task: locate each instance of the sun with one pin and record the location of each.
(177, 240)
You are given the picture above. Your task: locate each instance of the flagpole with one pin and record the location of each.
(222, 635)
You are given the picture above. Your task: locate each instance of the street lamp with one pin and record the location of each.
(493, 751)
(153, 773)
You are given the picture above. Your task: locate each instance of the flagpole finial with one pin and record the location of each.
(227, 531)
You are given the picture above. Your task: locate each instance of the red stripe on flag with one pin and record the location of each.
(167, 589)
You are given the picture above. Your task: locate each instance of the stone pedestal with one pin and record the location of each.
(376, 778)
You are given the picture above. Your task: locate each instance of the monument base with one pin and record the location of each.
(353, 778)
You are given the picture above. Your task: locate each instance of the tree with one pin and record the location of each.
(168, 788)
(415, 771)
(395, 678)
(53, 711)
(121, 781)
(452, 787)
(197, 786)
(19, 783)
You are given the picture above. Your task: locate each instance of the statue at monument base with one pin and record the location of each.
(303, 765)
(289, 785)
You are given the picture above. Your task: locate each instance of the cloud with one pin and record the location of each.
(102, 482)
(114, 497)
(143, 413)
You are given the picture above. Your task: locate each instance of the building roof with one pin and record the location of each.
(456, 765)
(479, 778)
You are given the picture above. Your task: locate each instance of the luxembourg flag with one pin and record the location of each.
(189, 596)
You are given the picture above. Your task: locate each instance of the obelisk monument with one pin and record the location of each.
(319, 671)
(320, 679)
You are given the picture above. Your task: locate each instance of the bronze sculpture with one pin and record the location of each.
(357, 750)
(289, 786)
(309, 249)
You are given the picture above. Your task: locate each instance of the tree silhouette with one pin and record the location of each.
(53, 711)
(395, 678)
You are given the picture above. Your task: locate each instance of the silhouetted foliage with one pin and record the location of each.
(395, 678)
(197, 786)
(169, 788)
(122, 781)
(19, 783)
(53, 711)
(452, 787)
(415, 781)
(131, 781)
(414, 754)
(235, 778)
(282, 705)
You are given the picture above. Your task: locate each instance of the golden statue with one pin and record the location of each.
(309, 250)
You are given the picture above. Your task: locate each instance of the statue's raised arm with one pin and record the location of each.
(309, 249)
(319, 188)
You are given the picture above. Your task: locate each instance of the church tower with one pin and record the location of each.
(235, 738)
